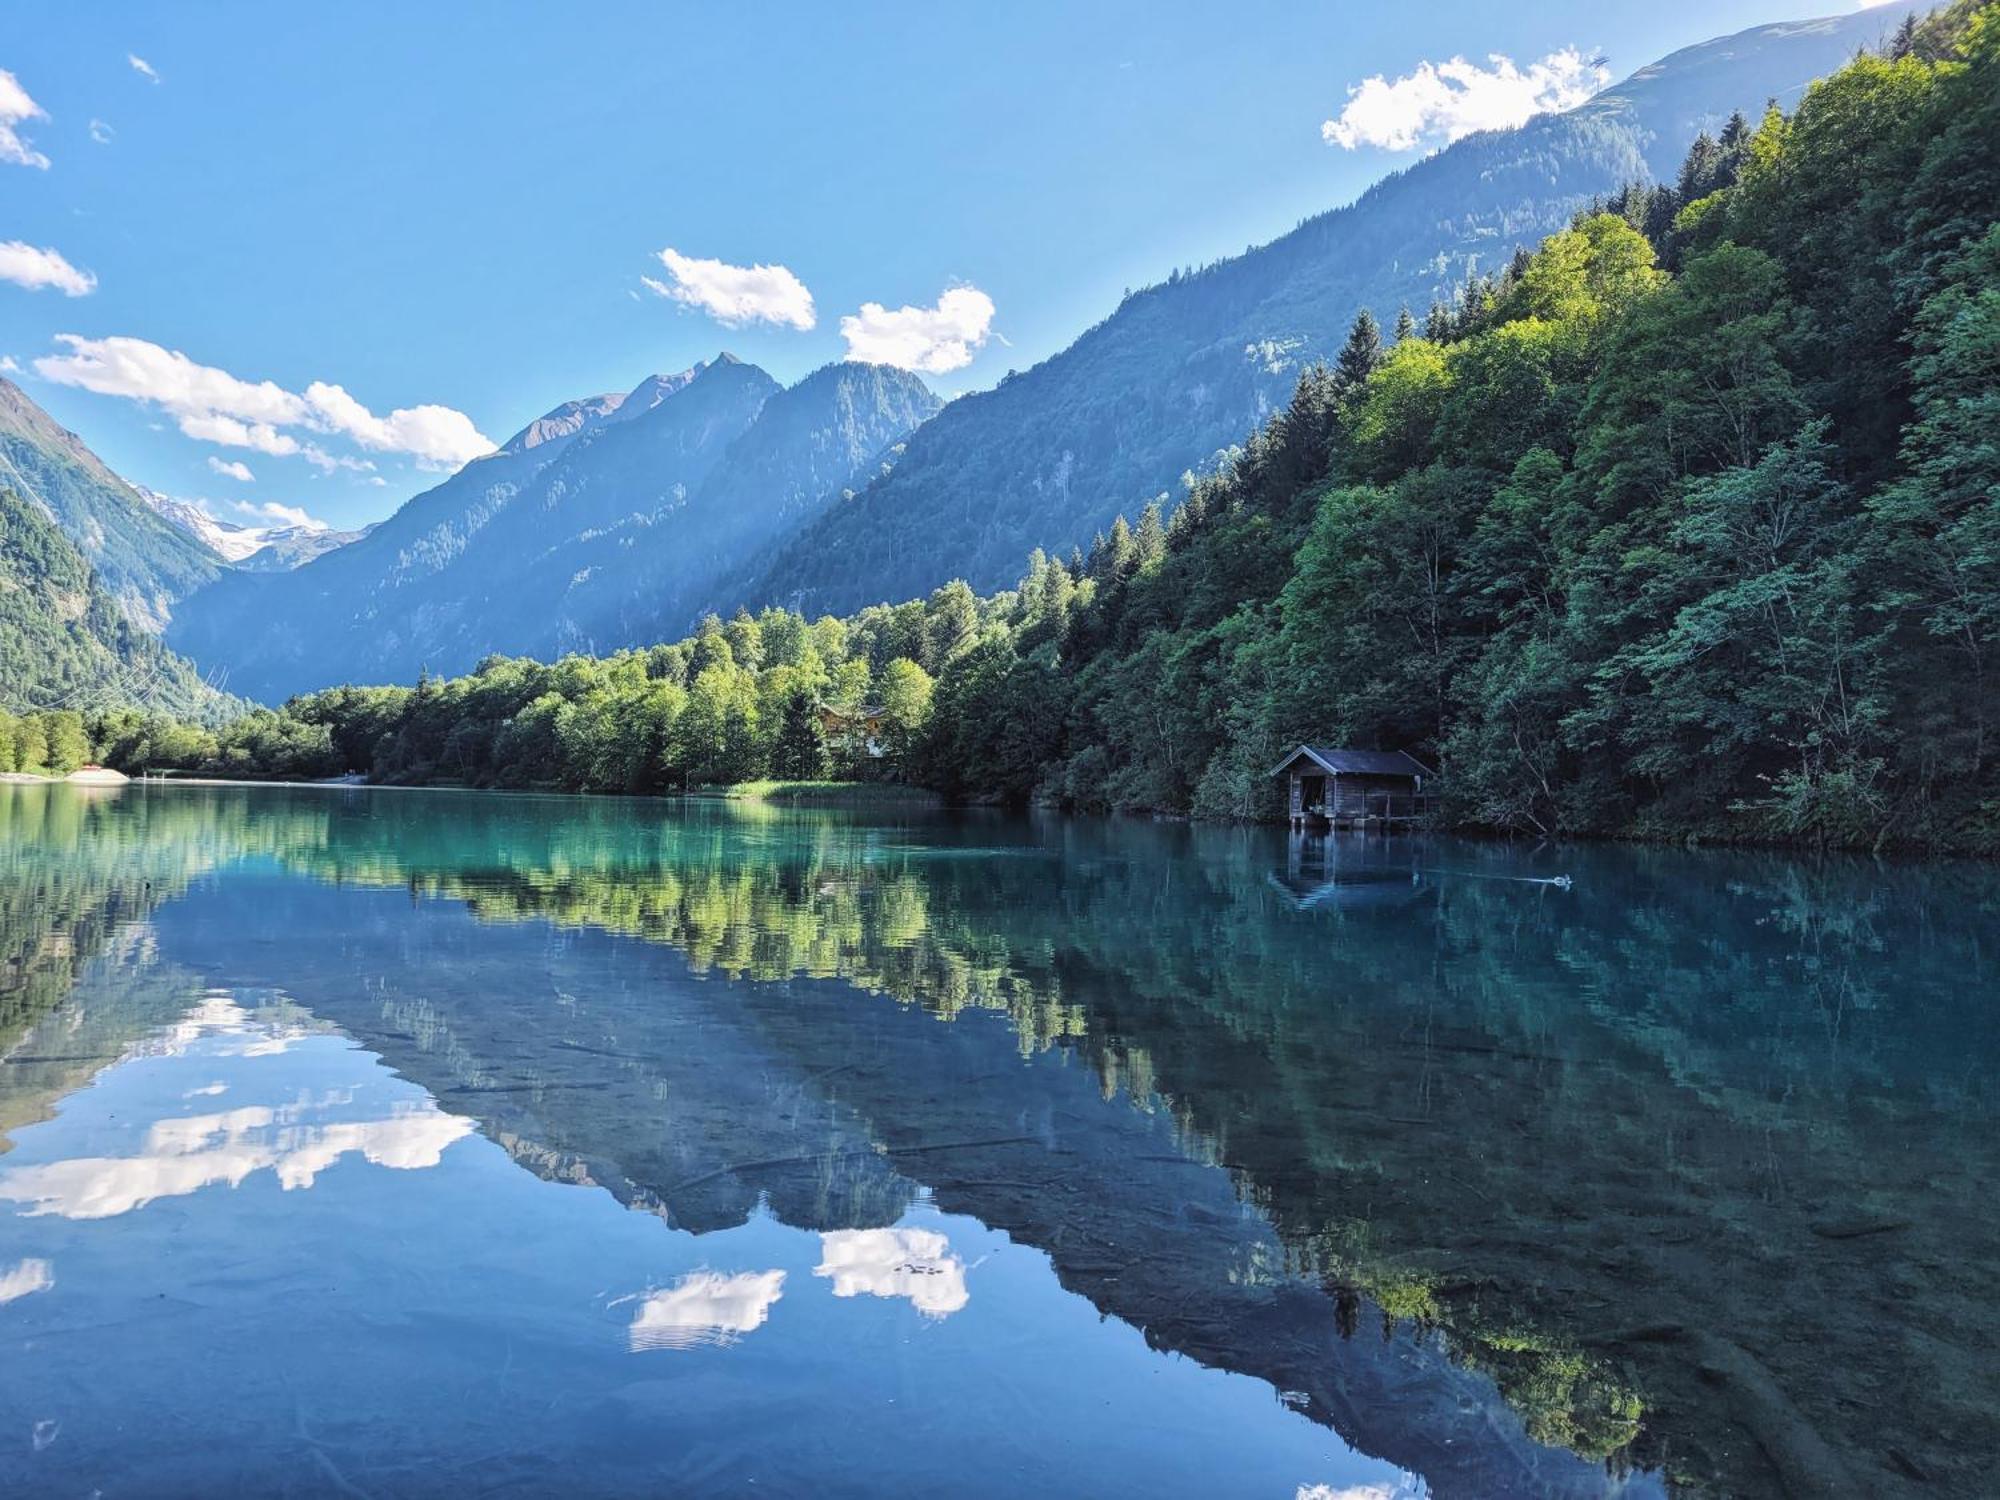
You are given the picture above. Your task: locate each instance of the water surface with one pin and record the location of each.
(399, 1143)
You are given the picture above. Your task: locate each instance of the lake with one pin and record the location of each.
(411, 1143)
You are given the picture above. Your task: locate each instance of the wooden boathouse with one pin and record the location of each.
(1353, 788)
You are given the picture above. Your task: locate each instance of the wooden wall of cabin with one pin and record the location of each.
(1352, 795)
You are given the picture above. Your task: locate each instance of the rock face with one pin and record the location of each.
(145, 562)
(605, 523)
(1185, 369)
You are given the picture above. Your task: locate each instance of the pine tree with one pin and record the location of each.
(1149, 542)
(800, 754)
(1406, 326)
(1360, 354)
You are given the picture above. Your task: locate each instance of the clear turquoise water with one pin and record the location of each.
(402, 1143)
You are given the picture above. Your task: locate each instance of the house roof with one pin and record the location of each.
(1357, 762)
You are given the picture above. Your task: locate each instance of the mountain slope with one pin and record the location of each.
(144, 562)
(64, 643)
(601, 524)
(1186, 368)
(811, 444)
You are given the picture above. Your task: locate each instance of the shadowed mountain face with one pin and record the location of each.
(145, 562)
(1671, 1178)
(1185, 369)
(600, 525)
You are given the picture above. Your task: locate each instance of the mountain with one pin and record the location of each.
(145, 562)
(65, 642)
(810, 446)
(1185, 369)
(268, 549)
(549, 543)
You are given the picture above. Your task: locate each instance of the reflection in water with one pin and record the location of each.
(297, 1141)
(913, 1263)
(706, 1308)
(1687, 1164)
(25, 1278)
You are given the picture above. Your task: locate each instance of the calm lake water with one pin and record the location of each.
(403, 1143)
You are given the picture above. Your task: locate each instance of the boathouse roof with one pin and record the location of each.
(1355, 762)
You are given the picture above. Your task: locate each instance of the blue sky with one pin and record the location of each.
(382, 234)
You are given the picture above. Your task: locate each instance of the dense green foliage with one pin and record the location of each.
(1180, 371)
(65, 644)
(739, 700)
(1618, 547)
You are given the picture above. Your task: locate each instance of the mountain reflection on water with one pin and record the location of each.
(1674, 1180)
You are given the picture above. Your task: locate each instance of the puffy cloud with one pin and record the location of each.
(211, 427)
(327, 462)
(913, 1263)
(735, 295)
(282, 515)
(436, 436)
(24, 265)
(142, 67)
(705, 1308)
(1440, 102)
(25, 1278)
(16, 108)
(932, 339)
(233, 468)
(214, 406)
(101, 132)
(9, 365)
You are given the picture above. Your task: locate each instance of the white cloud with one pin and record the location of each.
(282, 515)
(233, 468)
(142, 67)
(212, 427)
(24, 265)
(379, 482)
(932, 339)
(327, 462)
(705, 1308)
(735, 295)
(1439, 102)
(9, 365)
(16, 108)
(101, 132)
(214, 406)
(436, 436)
(913, 1263)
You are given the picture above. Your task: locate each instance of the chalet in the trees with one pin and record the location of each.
(1339, 788)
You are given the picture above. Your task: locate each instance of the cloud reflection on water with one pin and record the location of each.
(913, 1263)
(705, 1308)
(184, 1154)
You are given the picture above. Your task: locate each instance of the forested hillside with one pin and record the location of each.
(66, 646)
(1182, 371)
(146, 563)
(1686, 524)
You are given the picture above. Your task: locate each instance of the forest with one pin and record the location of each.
(1686, 524)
